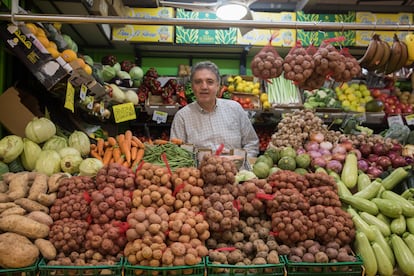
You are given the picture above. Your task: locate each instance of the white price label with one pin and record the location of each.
(82, 92)
(409, 119)
(159, 116)
(395, 119)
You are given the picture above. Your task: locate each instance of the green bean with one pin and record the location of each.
(177, 157)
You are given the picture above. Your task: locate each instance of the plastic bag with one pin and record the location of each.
(399, 132)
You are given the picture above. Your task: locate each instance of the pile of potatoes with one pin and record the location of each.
(267, 63)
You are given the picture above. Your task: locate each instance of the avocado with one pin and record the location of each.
(374, 106)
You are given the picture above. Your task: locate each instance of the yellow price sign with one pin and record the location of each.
(70, 97)
(124, 112)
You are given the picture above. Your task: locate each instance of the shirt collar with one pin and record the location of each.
(202, 109)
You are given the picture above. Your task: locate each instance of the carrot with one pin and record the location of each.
(138, 159)
(138, 142)
(107, 155)
(120, 160)
(93, 146)
(126, 164)
(127, 145)
(116, 153)
(160, 141)
(176, 141)
(100, 146)
(120, 138)
(134, 151)
(111, 141)
(95, 154)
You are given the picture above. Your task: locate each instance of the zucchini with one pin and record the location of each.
(361, 204)
(398, 225)
(388, 207)
(364, 249)
(373, 220)
(384, 218)
(410, 224)
(370, 191)
(360, 224)
(349, 174)
(409, 241)
(342, 189)
(395, 177)
(321, 170)
(407, 207)
(380, 240)
(384, 266)
(408, 194)
(403, 255)
(363, 181)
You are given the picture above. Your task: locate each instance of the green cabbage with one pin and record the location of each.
(48, 162)
(80, 141)
(108, 73)
(11, 146)
(136, 73)
(123, 75)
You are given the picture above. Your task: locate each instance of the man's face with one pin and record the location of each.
(205, 86)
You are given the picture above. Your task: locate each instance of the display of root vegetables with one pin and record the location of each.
(267, 63)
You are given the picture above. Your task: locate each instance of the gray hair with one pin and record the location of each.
(211, 66)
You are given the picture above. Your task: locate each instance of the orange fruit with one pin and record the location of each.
(40, 32)
(68, 55)
(81, 63)
(87, 69)
(54, 52)
(45, 42)
(32, 27)
(52, 44)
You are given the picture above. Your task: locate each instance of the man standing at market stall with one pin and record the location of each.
(210, 121)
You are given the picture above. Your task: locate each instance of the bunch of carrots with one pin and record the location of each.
(125, 149)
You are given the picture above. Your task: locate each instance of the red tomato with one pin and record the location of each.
(376, 93)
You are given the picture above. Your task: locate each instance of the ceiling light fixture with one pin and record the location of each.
(231, 10)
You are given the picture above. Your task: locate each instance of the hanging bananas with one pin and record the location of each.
(409, 40)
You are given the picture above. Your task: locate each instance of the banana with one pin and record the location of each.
(409, 40)
(395, 56)
(385, 58)
(404, 56)
(369, 52)
(379, 53)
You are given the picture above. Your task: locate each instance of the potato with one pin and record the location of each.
(19, 186)
(46, 248)
(39, 186)
(17, 251)
(24, 226)
(41, 217)
(31, 205)
(13, 211)
(4, 198)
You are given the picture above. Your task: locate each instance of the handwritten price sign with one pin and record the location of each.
(124, 112)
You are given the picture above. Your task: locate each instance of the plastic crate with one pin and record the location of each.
(237, 270)
(193, 270)
(87, 270)
(26, 271)
(326, 269)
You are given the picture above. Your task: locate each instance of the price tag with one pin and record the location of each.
(395, 119)
(90, 104)
(409, 119)
(124, 112)
(82, 92)
(159, 116)
(102, 108)
(70, 97)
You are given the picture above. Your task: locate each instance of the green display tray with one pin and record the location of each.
(237, 270)
(87, 270)
(26, 271)
(193, 270)
(326, 269)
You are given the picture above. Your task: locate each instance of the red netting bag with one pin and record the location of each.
(298, 64)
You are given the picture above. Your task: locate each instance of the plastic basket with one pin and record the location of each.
(193, 270)
(236, 270)
(26, 271)
(326, 269)
(87, 270)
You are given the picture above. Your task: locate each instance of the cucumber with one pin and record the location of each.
(407, 207)
(403, 255)
(363, 181)
(398, 225)
(370, 191)
(373, 220)
(385, 268)
(388, 207)
(361, 204)
(364, 249)
(349, 174)
(360, 224)
(380, 240)
(395, 177)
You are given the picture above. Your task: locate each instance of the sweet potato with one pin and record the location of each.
(13, 211)
(46, 248)
(4, 198)
(31, 205)
(39, 186)
(17, 251)
(53, 181)
(19, 186)
(3, 186)
(7, 205)
(47, 199)
(24, 226)
(41, 217)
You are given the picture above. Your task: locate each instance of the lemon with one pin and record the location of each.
(351, 97)
(358, 94)
(360, 109)
(257, 85)
(264, 97)
(346, 103)
(230, 79)
(349, 90)
(344, 86)
(238, 79)
(266, 105)
(256, 91)
(369, 98)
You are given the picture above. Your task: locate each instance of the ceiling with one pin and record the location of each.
(98, 36)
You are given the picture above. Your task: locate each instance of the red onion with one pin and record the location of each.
(326, 145)
(300, 151)
(334, 165)
(384, 162)
(314, 154)
(396, 147)
(347, 144)
(398, 161)
(318, 162)
(339, 156)
(317, 137)
(365, 149)
(393, 154)
(363, 165)
(372, 158)
(327, 157)
(379, 149)
(374, 172)
(312, 146)
(339, 148)
(325, 151)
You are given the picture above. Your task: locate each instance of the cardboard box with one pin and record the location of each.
(316, 37)
(17, 109)
(100, 7)
(116, 8)
(33, 54)
(261, 37)
(363, 37)
(224, 36)
(146, 33)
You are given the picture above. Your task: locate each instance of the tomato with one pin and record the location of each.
(376, 93)
(247, 100)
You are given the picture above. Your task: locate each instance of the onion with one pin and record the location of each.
(327, 157)
(317, 137)
(326, 145)
(398, 161)
(363, 165)
(379, 149)
(339, 156)
(357, 153)
(365, 149)
(374, 172)
(372, 158)
(325, 151)
(339, 148)
(314, 154)
(300, 151)
(312, 146)
(334, 165)
(318, 162)
(384, 162)
(396, 147)
(347, 144)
